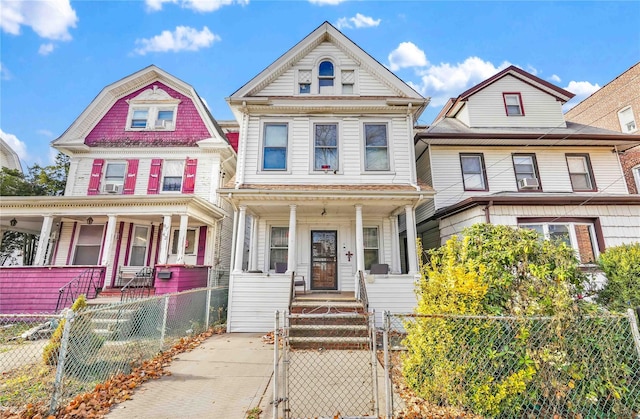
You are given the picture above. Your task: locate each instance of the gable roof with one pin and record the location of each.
(325, 32)
(12, 160)
(73, 138)
(559, 93)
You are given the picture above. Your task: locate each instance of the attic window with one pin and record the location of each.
(325, 77)
(152, 110)
(348, 80)
(513, 104)
(304, 81)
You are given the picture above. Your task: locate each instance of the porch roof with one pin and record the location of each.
(30, 210)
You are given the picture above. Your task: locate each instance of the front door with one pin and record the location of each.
(324, 266)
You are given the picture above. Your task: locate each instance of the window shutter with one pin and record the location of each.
(154, 177)
(96, 175)
(189, 183)
(202, 242)
(130, 177)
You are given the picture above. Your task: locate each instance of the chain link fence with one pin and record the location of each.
(46, 365)
(328, 366)
(508, 367)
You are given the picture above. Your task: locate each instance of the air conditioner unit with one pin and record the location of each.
(161, 124)
(528, 183)
(112, 188)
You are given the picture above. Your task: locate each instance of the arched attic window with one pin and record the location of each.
(326, 77)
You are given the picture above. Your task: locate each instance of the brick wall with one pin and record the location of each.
(110, 131)
(629, 160)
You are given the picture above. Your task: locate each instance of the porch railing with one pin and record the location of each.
(139, 286)
(362, 291)
(292, 291)
(88, 282)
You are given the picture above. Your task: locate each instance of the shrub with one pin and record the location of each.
(621, 265)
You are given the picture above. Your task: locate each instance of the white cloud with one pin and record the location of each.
(50, 19)
(46, 49)
(326, 2)
(197, 5)
(445, 80)
(5, 74)
(582, 90)
(555, 78)
(18, 146)
(531, 69)
(407, 55)
(359, 21)
(183, 38)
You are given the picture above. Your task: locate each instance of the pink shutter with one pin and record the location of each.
(189, 183)
(96, 175)
(154, 177)
(130, 177)
(202, 243)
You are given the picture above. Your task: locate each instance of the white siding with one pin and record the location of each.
(487, 109)
(456, 223)
(393, 293)
(366, 83)
(64, 244)
(552, 166)
(254, 299)
(351, 152)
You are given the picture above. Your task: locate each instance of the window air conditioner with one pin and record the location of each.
(528, 183)
(161, 124)
(112, 188)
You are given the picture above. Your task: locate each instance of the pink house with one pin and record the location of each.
(146, 160)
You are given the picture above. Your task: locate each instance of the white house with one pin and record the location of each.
(325, 165)
(8, 157)
(502, 153)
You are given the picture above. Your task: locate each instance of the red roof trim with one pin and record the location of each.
(233, 138)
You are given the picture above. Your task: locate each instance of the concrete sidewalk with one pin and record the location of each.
(224, 377)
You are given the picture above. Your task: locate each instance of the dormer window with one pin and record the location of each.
(152, 110)
(325, 77)
(513, 104)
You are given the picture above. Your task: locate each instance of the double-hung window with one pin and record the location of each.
(189, 245)
(274, 149)
(279, 246)
(325, 77)
(172, 173)
(371, 247)
(474, 176)
(376, 147)
(513, 104)
(139, 243)
(304, 81)
(325, 147)
(578, 234)
(580, 172)
(526, 170)
(88, 245)
(114, 177)
(139, 118)
(348, 79)
(636, 176)
(627, 120)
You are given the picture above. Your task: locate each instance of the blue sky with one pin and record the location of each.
(56, 55)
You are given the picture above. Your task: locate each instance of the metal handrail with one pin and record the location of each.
(362, 291)
(87, 283)
(142, 289)
(292, 291)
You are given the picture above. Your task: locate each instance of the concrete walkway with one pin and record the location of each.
(224, 377)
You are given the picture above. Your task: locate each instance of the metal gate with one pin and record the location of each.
(326, 368)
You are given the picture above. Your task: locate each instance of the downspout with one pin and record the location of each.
(243, 139)
(487, 213)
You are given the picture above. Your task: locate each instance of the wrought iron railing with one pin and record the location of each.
(139, 286)
(87, 282)
(362, 291)
(292, 291)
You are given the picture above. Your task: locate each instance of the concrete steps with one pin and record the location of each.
(327, 323)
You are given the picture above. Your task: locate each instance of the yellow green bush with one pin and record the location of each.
(621, 265)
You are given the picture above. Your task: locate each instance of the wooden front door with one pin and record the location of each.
(324, 266)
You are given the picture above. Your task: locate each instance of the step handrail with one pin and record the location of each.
(143, 280)
(362, 292)
(87, 283)
(292, 290)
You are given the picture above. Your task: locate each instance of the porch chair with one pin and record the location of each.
(379, 269)
(298, 281)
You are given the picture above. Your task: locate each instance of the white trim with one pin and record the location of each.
(363, 147)
(312, 145)
(636, 176)
(627, 125)
(263, 124)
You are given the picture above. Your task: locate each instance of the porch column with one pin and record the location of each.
(253, 255)
(395, 244)
(182, 238)
(43, 242)
(164, 240)
(237, 261)
(109, 240)
(292, 264)
(412, 252)
(1, 235)
(359, 240)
